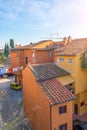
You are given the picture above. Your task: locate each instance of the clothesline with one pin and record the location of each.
(9, 70)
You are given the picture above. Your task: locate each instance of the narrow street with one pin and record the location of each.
(11, 107)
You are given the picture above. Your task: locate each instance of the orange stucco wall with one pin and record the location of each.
(18, 59)
(60, 119)
(41, 56)
(44, 56)
(14, 59)
(36, 105)
(37, 108)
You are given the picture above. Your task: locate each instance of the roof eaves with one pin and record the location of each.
(66, 54)
(15, 50)
(57, 103)
(42, 49)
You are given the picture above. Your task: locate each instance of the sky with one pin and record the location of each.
(27, 21)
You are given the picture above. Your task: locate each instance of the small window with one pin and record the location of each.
(61, 59)
(70, 60)
(63, 127)
(82, 104)
(75, 108)
(33, 54)
(62, 109)
(26, 60)
(50, 54)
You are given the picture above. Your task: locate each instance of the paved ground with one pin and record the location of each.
(11, 107)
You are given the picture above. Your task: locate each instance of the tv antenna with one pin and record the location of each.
(53, 36)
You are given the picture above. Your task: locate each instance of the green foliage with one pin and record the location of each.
(6, 50)
(11, 43)
(83, 61)
(2, 57)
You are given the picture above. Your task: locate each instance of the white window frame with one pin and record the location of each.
(61, 59)
(70, 60)
(33, 54)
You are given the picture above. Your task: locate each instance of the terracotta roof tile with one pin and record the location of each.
(73, 48)
(55, 91)
(48, 71)
(37, 43)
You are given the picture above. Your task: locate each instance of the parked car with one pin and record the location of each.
(15, 86)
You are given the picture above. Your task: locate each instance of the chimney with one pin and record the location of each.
(17, 46)
(65, 40)
(69, 39)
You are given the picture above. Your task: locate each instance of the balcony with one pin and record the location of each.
(70, 88)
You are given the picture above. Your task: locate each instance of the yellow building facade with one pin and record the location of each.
(72, 63)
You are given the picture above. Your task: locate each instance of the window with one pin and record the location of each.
(61, 59)
(50, 54)
(62, 109)
(63, 127)
(33, 54)
(26, 60)
(70, 60)
(75, 108)
(82, 104)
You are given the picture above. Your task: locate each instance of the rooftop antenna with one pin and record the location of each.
(53, 36)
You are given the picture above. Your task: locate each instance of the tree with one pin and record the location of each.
(2, 57)
(11, 43)
(6, 50)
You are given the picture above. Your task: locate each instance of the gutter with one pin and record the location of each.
(57, 103)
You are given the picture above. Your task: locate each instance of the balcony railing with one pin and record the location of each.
(70, 88)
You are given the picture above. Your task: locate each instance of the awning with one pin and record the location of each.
(65, 80)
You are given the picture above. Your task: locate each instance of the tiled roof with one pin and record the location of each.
(37, 43)
(48, 71)
(73, 48)
(56, 45)
(32, 45)
(46, 75)
(55, 91)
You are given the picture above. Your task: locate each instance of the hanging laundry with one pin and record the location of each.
(2, 71)
(14, 69)
(6, 70)
(10, 70)
(21, 67)
(18, 68)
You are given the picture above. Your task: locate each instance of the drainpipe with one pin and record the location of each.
(50, 118)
